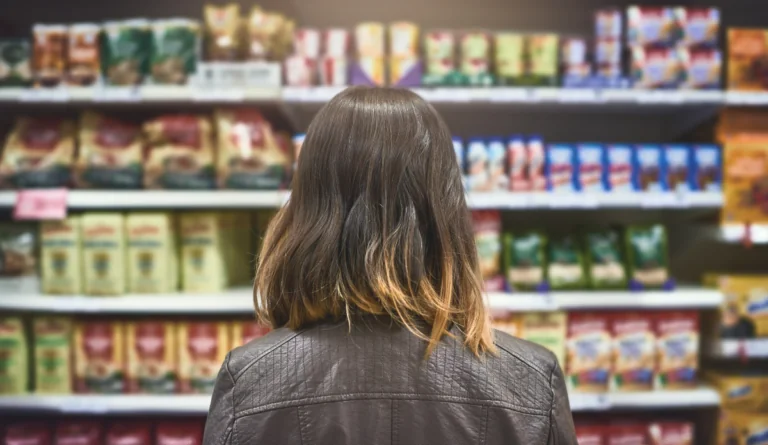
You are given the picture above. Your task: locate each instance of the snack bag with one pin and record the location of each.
(605, 260)
(487, 228)
(517, 164)
(510, 57)
(202, 253)
(590, 161)
(701, 25)
(743, 314)
(15, 63)
(657, 68)
(477, 165)
(742, 428)
(151, 357)
(84, 64)
(244, 332)
(747, 391)
(702, 68)
(203, 346)
(652, 25)
(634, 352)
(270, 35)
(14, 371)
(678, 171)
(536, 156)
(28, 434)
(525, 264)
(180, 153)
(647, 255)
(18, 253)
(619, 168)
(561, 168)
(39, 153)
(747, 53)
(125, 52)
(543, 58)
(110, 155)
(175, 50)
(671, 433)
(50, 54)
(439, 57)
(179, 432)
(370, 40)
(80, 432)
(99, 357)
(151, 253)
(588, 362)
(547, 329)
(475, 58)
(498, 179)
(222, 28)
(566, 264)
(651, 174)
(677, 337)
(509, 323)
(249, 155)
(52, 355)
(60, 256)
(103, 254)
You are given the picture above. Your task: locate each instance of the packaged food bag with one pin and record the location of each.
(605, 260)
(175, 50)
(588, 347)
(647, 255)
(60, 256)
(677, 349)
(103, 254)
(270, 35)
(203, 254)
(525, 260)
(99, 357)
(180, 153)
(547, 329)
(84, 60)
(49, 60)
(249, 155)
(125, 52)
(110, 155)
(18, 250)
(223, 39)
(14, 371)
(15, 63)
(203, 346)
(566, 263)
(80, 432)
(175, 432)
(487, 228)
(52, 355)
(634, 352)
(39, 153)
(152, 357)
(151, 253)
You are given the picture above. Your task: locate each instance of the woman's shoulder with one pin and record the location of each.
(522, 351)
(244, 356)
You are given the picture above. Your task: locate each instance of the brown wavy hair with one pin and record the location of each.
(377, 223)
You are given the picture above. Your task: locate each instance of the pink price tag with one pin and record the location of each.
(44, 204)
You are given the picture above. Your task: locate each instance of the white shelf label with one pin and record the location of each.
(510, 95)
(117, 94)
(219, 95)
(44, 95)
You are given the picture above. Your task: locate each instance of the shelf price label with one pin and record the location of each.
(43, 204)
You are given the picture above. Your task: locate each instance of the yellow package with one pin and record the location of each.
(53, 355)
(60, 261)
(745, 182)
(547, 329)
(245, 331)
(99, 357)
(223, 36)
(103, 254)
(404, 40)
(743, 314)
(202, 253)
(150, 253)
(151, 357)
(742, 428)
(742, 392)
(369, 38)
(203, 346)
(13, 357)
(677, 350)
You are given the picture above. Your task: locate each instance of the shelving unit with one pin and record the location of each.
(755, 348)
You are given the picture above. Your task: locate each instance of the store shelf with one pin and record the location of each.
(748, 348)
(194, 404)
(162, 199)
(23, 295)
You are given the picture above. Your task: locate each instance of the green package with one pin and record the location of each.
(125, 52)
(509, 57)
(175, 50)
(647, 255)
(566, 264)
(606, 268)
(53, 355)
(15, 66)
(13, 357)
(524, 260)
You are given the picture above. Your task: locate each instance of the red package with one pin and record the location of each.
(129, 433)
(27, 434)
(671, 433)
(334, 71)
(628, 434)
(517, 164)
(86, 432)
(590, 435)
(245, 331)
(179, 433)
(537, 180)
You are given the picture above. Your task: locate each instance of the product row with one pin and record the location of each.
(105, 432)
(634, 258)
(522, 164)
(56, 355)
(237, 149)
(626, 432)
(616, 351)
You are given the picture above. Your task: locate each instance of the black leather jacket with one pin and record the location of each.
(372, 385)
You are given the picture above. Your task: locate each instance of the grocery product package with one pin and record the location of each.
(747, 54)
(84, 60)
(677, 349)
(180, 153)
(80, 432)
(28, 433)
(745, 183)
(203, 345)
(249, 155)
(38, 153)
(657, 67)
(243, 331)
(588, 352)
(223, 36)
(741, 390)
(653, 25)
(561, 168)
(103, 253)
(589, 158)
(270, 35)
(175, 50)
(152, 357)
(60, 256)
(605, 260)
(18, 250)
(99, 357)
(547, 329)
(404, 65)
(371, 53)
(475, 58)
(566, 263)
(15, 63)
(648, 264)
(509, 323)
(14, 370)
(527, 59)
(152, 256)
(125, 52)
(49, 59)
(134, 432)
(634, 352)
(742, 314)
(52, 354)
(741, 427)
(176, 432)
(525, 265)
(678, 169)
(202, 253)
(110, 154)
(439, 57)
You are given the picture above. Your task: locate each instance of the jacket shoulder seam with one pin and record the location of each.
(525, 362)
(254, 360)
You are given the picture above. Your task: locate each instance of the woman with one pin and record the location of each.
(370, 277)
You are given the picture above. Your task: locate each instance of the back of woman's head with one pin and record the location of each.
(377, 223)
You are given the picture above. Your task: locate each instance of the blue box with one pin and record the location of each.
(650, 168)
(707, 168)
(619, 168)
(562, 168)
(476, 165)
(678, 170)
(590, 162)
